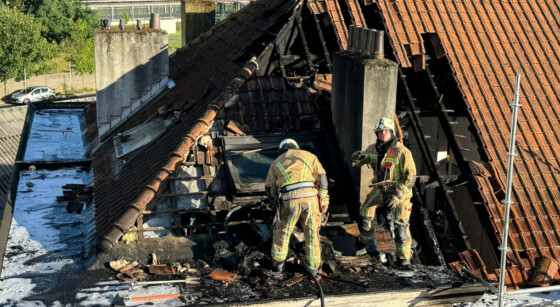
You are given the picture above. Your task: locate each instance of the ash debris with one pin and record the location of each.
(241, 271)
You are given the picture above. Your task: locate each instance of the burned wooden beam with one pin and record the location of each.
(323, 43)
(304, 42)
(455, 224)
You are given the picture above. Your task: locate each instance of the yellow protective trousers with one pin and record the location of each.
(305, 210)
(403, 239)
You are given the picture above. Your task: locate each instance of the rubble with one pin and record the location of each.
(222, 275)
(297, 278)
(161, 269)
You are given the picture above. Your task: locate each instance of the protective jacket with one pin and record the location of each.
(396, 171)
(297, 177)
(397, 165)
(295, 166)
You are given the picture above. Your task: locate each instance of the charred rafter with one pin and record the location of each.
(326, 53)
(455, 223)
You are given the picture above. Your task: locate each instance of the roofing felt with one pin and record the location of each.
(486, 44)
(203, 70)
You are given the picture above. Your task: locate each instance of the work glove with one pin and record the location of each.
(323, 203)
(392, 204)
(358, 155)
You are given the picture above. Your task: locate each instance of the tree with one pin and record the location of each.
(59, 17)
(22, 45)
(79, 47)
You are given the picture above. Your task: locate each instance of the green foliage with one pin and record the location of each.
(126, 18)
(79, 48)
(22, 45)
(59, 17)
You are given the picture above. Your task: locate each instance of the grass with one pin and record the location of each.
(58, 65)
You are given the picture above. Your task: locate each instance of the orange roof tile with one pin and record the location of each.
(487, 43)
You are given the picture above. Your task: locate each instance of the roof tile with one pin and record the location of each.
(486, 44)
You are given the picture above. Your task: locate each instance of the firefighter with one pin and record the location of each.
(298, 182)
(394, 173)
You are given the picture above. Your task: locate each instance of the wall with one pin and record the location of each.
(54, 81)
(197, 18)
(131, 67)
(364, 90)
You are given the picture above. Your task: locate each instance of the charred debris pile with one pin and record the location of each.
(238, 268)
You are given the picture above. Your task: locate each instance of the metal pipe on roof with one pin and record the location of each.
(362, 40)
(351, 35)
(370, 41)
(107, 23)
(139, 24)
(154, 21)
(504, 248)
(534, 290)
(379, 52)
(356, 39)
(121, 23)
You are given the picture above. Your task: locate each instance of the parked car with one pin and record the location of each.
(34, 93)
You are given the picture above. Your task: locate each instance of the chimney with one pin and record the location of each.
(154, 21)
(132, 66)
(364, 90)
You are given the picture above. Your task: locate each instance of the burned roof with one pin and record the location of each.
(486, 44)
(206, 72)
(272, 105)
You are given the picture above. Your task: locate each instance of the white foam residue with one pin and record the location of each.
(44, 239)
(56, 135)
(109, 293)
(529, 299)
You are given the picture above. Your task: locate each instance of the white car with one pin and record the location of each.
(34, 93)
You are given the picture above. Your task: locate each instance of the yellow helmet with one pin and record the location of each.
(288, 141)
(32, 168)
(384, 124)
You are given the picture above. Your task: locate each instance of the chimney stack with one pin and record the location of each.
(131, 67)
(364, 89)
(154, 21)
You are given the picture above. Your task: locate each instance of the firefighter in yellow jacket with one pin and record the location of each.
(298, 181)
(394, 173)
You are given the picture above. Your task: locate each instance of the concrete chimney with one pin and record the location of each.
(364, 90)
(131, 68)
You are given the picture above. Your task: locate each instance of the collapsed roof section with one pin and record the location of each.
(207, 72)
(486, 44)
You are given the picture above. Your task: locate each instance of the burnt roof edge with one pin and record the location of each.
(128, 218)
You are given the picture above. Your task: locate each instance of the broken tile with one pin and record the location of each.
(222, 275)
(130, 275)
(161, 269)
(118, 264)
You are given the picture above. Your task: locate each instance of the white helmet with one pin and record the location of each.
(288, 141)
(383, 124)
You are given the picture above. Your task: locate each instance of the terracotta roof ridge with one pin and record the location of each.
(132, 211)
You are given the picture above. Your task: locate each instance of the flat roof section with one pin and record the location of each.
(56, 135)
(46, 244)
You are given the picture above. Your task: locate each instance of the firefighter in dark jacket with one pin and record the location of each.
(298, 181)
(394, 173)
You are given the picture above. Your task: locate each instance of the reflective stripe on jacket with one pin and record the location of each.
(401, 168)
(293, 166)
